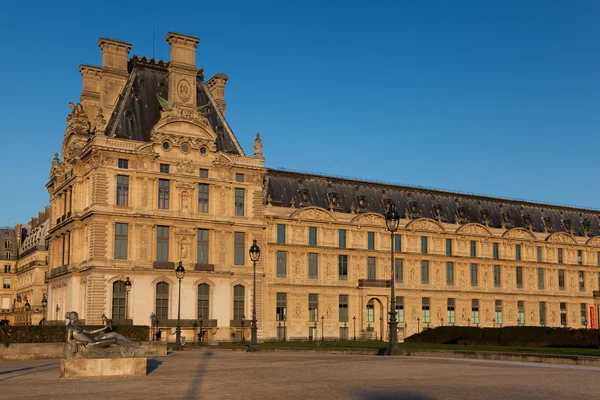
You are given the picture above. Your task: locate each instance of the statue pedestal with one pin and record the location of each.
(98, 367)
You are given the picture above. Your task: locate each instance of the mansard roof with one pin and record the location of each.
(36, 238)
(347, 195)
(10, 235)
(138, 110)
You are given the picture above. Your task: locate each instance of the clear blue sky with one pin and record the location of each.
(491, 97)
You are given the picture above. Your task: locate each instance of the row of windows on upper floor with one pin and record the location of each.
(165, 168)
(342, 235)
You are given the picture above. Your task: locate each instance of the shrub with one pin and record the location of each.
(58, 333)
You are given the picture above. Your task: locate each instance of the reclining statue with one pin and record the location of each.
(105, 345)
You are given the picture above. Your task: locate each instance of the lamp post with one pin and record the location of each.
(127, 289)
(243, 333)
(201, 333)
(418, 325)
(44, 306)
(316, 336)
(354, 320)
(180, 272)
(322, 328)
(381, 329)
(494, 322)
(254, 256)
(392, 220)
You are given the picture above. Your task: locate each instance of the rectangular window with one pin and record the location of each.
(448, 247)
(202, 257)
(583, 312)
(239, 177)
(343, 267)
(560, 256)
(121, 240)
(561, 279)
(399, 264)
(239, 202)
(499, 312)
(497, 276)
(539, 254)
(450, 273)
(423, 244)
(598, 281)
(598, 258)
(371, 268)
(202, 198)
(475, 311)
(400, 309)
(474, 275)
(123, 164)
(541, 278)
(495, 251)
(473, 248)
(542, 313)
(281, 264)
(425, 317)
(371, 240)
(370, 311)
(239, 248)
(518, 252)
(312, 236)
(164, 168)
(6, 283)
(519, 277)
(342, 238)
(203, 173)
(343, 308)
(313, 307)
(164, 186)
(7, 269)
(280, 233)
(122, 190)
(313, 266)
(451, 316)
(581, 276)
(281, 307)
(579, 257)
(563, 314)
(424, 272)
(397, 243)
(162, 243)
(520, 313)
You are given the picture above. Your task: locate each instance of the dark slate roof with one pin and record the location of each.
(138, 110)
(323, 191)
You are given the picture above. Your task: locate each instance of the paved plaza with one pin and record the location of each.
(239, 375)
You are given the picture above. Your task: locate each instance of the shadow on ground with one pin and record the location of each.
(401, 395)
(13, 373)
(151, 365)
(196, 386)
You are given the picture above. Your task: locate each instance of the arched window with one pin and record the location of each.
(203, 301)
(118, 301)
(238, 302)
(162, 301)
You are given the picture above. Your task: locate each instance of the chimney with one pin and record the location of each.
(90, 93)
(182, 69)
(216, 85)
(34, 222)
(114, 73)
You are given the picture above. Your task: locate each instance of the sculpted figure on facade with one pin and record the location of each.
(77, 120)
(258, 145)
(184, 249)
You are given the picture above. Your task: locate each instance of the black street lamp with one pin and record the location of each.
(44, 306)
(180, 272)
(315, 335)
(127, 289)
(254, 256)
(243, 333)
(201, 333)
(392, 220)
(354, 320)
(322, 328)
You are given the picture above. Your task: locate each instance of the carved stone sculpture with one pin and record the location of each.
(258, 145)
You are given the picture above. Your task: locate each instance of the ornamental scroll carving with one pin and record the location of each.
(314, 214)
(369, 219)
(519, 233)
(561, 237)
(474, 229)
(424, 225)
(185, 166)
(595, 241)
(177, 140)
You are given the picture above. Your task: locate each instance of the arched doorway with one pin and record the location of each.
(375, 319)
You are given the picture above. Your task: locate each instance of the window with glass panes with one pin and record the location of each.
(121, 240)
(499, 312)
(203, 173)
(448, 247)
(343, 267)
(399, 267)
(540, 273)
(123, 164)
(397, 242)
(239, 248)
(424, 272)
(542, 313)
(203, 301)
(519, 272)
(164, 168)
(451, 316)
(162, 301)
(313, 307)
(281, 307)
(239, 177)
(400, 309)
(539, 254)
(560, 256)
(371, 268)
(371, 240)
(313, 266)
(581, 276)
(423, 244)
(563, 314)
(579, 257)
(162, 243)
(312, 236)
(518, 252)
(561, 279)
(202, 198)
(164, 186)
(122, 190)
(497, 276)
(342, 238)
(239, 202)
(425, 312)
(474, 275)
(239, 302)
(343, 308)
(281, 264)
(118, 300)
(475, 311)
(280, 233)
(449, 273)
(370, 309)
(496, 253)
(521, 312)
(473, 248)
(583, 312)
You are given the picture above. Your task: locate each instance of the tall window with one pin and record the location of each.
(6, 283)
(239, 248)
(203, 198)
(425, 317)
(598, 258)
(521, 312)
(424, 272)
(560, 256)
(203, 301)
(313, 307)
(370, 311)
(202, 257)
(450, 273)
(162, 301)
(539, 254)
(118, 300)
(239, 302)
(397, 242)
(281, 307)
(474, 275)
(163, 193)
(342, 238)
(313, 266)
(518, 252)
(239, 202)
(399, 265)
(400, 309)
(540, 278)
(542, 313)
(371, 240)
(121, 239)
(423, 244)
(579, 257)
(371, 268)
(451, 318)
(581, 276)
(162, 243)
(583, 312)
(497, 276)
(312, 236)
(563, 314)
(561, 279)
(475, 311)
(473, 248)
(122, 190)
(343, 267)
(519, 277)
(280, 233)
(281, 264)
(343, 308)
(448, 247)
(495, 251)
(499, 312)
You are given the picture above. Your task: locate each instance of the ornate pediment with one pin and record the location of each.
(519, 233)
(425, 224)
(561, 237)
(313, 213)
(369, 219)
(474, 229)
(595, 241)
(185, 232)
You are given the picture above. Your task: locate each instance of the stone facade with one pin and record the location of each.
(152, 175)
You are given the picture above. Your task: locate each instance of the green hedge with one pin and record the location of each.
(53, 334)
(509, 336)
